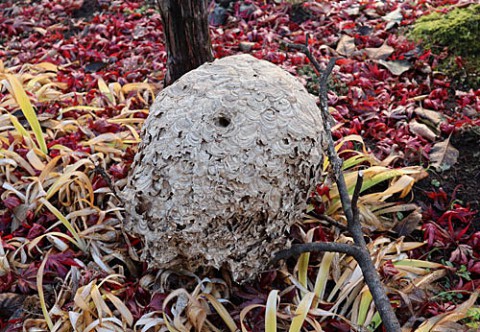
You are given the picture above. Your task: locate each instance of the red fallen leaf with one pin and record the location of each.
(388, 269)
(99, 182)
(7, 281)
(337, 325)
(298, 59)
(474, 242)
(5, 221)
(102, 126)
(11, 202)
(433, 235)
(458, 213)
(439, 198)
(461, 255)
(344, 62)
(475, 268)
(119, 171)
(35, 231)
(467, 287)
(276, 57)
(27, 278)
(156, 303)
(59, 263)
(436, 309)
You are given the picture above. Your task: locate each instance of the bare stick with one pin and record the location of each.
(356, 194)
(332, 222)
(359, 249)
(298, 249)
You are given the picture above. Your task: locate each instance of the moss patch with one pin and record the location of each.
(459, 30)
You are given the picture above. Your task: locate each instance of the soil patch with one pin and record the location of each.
(463, 179)
(87, 10)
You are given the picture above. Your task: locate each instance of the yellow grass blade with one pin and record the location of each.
(102, 86)
(271, 312)
(121, 307)
(302, 266)
(59, 215)
(366, 300)
(35, 241)
(418, 263)
(301, 312)
(21, 130)
(227, 319)
(16, 89)
(41, 295)
(322, 275)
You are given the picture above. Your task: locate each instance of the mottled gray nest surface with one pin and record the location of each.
(229, 153)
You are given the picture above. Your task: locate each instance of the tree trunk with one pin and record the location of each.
(187, 38)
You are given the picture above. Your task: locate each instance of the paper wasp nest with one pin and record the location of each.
(229, 153)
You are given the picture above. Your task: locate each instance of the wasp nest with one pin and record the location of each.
(229, 153)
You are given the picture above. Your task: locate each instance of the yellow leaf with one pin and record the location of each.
(271, 312)
(41, 295)
(301, 312)
(227, 319)
(16, 89)
(102, 86)
(121, 307)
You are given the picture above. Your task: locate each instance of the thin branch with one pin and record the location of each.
(298, 249)
(356, 195)
(332, 222)
(359, 249)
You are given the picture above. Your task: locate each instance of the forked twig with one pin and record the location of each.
(358, 250)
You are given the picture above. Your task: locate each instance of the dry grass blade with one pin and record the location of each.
(350, 297)
(41, 295)
(245, 311)
(150, 321)
(399, 182)
(271, 312)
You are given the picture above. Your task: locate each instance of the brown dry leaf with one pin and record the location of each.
(397, 67)
(379, 53)
(433, 116)
(443, 155)
(408, 224)
(346, 46)
(393, 18)
(421, 130)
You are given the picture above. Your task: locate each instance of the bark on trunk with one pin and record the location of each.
(187, 38)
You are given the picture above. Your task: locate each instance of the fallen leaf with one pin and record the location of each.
(246, 46)
(433, 116)
(379, 53)
(346, 45)
(353, 10)
(443, 155)
(408, 224)
(397, 67)
(422, 130)
(393, 18)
